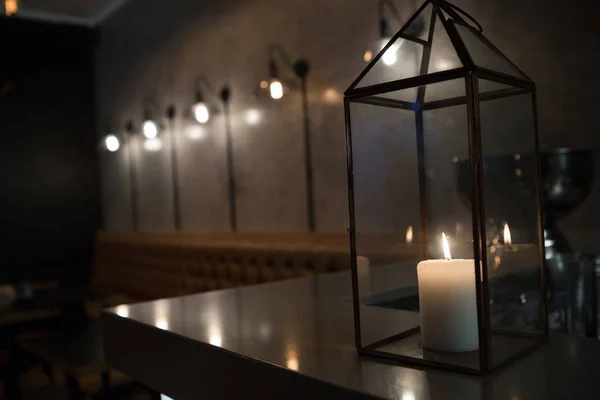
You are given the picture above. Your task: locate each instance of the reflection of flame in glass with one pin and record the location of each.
(123, 311)
(292, 360)
(497, 262)
(409, 234)
(446, 247)
(507, 237)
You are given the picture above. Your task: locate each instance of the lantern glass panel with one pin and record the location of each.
(511, 228)
(404, 57)
(405, 159)
(483, 54)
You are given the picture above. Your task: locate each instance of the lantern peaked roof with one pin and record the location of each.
(439, 42)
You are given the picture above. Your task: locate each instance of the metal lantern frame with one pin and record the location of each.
(447, 16)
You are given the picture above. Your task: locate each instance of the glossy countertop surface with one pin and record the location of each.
(306, 326)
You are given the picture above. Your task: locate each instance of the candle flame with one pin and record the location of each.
(409, 234)
(507, 237)
(446, 247)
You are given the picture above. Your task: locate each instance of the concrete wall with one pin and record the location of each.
(152, 50)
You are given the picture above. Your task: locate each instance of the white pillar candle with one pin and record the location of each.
(448, 304)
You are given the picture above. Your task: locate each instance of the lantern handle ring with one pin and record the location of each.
(454, 10)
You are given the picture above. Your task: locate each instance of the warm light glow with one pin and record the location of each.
(201, 113)
(408, 395)
(264, 84)
(332, 96)
(153, 144)
(253, 117)
(123, 311)
(446, 247)
(112, 143)
(507, 237)
(264, 330)
(292, 360)
(409, 234)
(276, 89)
(196, 132)
(368, 56)
(443, 64)
(215, 339)
(150, 129)
(11, 6)
(162, 323)
(390, 57)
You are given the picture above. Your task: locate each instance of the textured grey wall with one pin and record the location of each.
(151, 49)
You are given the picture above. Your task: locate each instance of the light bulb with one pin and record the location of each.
(201, 113)
(276, 89)
(389, 57)
(112, 143)
(153, 144)
(150, 129)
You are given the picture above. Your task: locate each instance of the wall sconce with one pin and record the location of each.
(201, 112)
(300, 68)
(112, 143)
(150, 128)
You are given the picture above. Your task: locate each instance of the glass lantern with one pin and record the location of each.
(444, 192)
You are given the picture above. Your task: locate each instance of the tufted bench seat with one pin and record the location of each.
(145, 266)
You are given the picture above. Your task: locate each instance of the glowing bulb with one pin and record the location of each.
(112, 143)
(153, 144)
(276, 89)
(196, 132)
(264, 84)
(201, 113)
(368, 55)
(123, 311)
(446, 247)
(253, 117)
(408, 395)
(150, 129)
(507, 237)
(389, 57)
(409, 234)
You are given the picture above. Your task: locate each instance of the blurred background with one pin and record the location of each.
(80, 79)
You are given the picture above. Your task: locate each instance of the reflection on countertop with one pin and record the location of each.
(306, 325)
